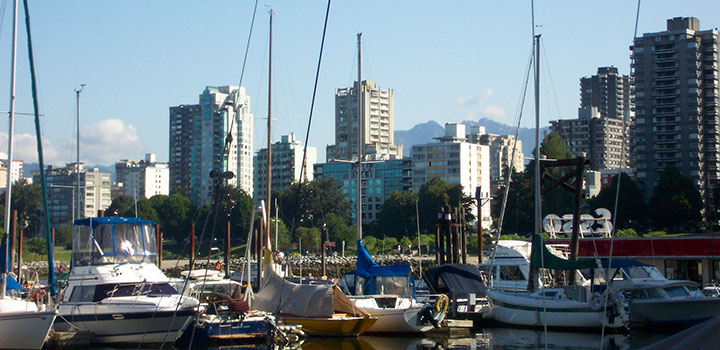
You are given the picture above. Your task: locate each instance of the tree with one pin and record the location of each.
(389, 244)
(520, 205)
(631, 207)
(145, 210)
(397, 215)
(173, 215)
(26, 199)
(121, 205)
(338, 230)
(675, 204)
(405, 244)
(310, 237)
(436, 194)
(283, 233)
(558, 200)
(316, 200)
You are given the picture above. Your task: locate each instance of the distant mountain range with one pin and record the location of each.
(28, 168)
(426, 132)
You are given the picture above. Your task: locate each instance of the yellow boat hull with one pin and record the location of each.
(336, 326)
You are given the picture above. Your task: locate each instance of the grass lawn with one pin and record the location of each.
(59, 253)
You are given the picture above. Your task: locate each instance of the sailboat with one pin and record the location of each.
(571, 306)
(22, 324)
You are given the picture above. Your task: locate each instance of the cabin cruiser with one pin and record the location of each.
(22, 324)
(654, 300)
(115, 290)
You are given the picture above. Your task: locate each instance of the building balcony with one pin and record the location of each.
(665, 76)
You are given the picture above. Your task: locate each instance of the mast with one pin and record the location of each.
(77, 164)
(358, 200)
(269, 135)
(533, 270)
(11, 129)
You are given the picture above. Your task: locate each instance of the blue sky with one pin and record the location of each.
(445, 61)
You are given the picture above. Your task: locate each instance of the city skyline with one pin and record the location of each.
(470, 63)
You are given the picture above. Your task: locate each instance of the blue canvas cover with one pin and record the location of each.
(366, 267)
(13, 284)
(110, 220)
(369, 278)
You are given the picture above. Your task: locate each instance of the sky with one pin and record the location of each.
(445, 61)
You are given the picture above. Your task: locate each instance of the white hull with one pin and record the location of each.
(523, 310)
(129, 326)
(403, 318)
(25, 330)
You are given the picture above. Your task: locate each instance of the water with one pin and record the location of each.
(481, 339)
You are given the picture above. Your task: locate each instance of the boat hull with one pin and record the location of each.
(128, 327)
(25, 330)
(672, 313)
(537, 312)
(248, 330)
(344, 326)
(401, 320)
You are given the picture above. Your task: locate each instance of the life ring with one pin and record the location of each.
(37, 293)
(596, 301)
(441, 304)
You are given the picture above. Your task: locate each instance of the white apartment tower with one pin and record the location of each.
(377, 122)
(287, 157)
(455, 161)
(143, 178)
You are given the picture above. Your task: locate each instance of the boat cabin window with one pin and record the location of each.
(114, 243)
(637, 272)
(652, 293)
(637, 294)
(118, 290)
(511, 273)
(396, 285)
(677, 291)
(82, 294)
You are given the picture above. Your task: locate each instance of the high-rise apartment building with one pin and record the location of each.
(501, 154)
(16, 171)
(377, 120)
(197, 140)
(455, 161)
(676, 104)
(379, 179)
(286, 163)
(608, 91)
(143, 178)
(62, 202)
(598, 138)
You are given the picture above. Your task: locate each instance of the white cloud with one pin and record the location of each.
(107, 141)
(25, 148)
(475, 100)
(494, 112)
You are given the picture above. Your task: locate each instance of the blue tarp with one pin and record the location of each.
(13, 284)
(366, 267)
(620, 263)
(3, 256)
(94, 222)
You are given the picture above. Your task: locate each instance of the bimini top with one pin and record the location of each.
(369, 278)
(113, 240)
(94, 222)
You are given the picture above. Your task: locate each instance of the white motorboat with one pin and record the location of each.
(115, 290)
(386, 292)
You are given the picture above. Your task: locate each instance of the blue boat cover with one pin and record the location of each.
(366, 267)
(620, 263)
(94, 222)
(13, 284)
(3, 256)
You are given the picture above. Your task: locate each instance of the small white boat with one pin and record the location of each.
(22, 325)
(115, 290)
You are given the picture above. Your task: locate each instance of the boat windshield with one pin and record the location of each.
(676, 291)
(114, 243)
(395, 285)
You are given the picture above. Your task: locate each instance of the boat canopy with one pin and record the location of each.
(458, 279)
(369, 278)
(279, 296)
(542, 257)
(113, 240)
(620, 263)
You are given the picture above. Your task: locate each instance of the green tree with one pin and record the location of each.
(339, 230)
(389, 245)
(558, 200)
(370, 243)
(283, 234)
(631, 207)
(121, 205)
(63, 235)
(520, 206)
(316, 200)
(406, 244)
(26, 200)
(675, 204)
(436, 194)
(310, 237)
(173, 214)
(145, 210)
(397, 215)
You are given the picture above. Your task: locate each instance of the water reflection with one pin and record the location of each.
(482, 339)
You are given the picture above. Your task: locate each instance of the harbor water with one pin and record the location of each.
(481, 339)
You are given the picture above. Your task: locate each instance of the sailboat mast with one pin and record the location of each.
(11, 129)
(268, 177)
(77, 158)
(538, 184)
(358, 200)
